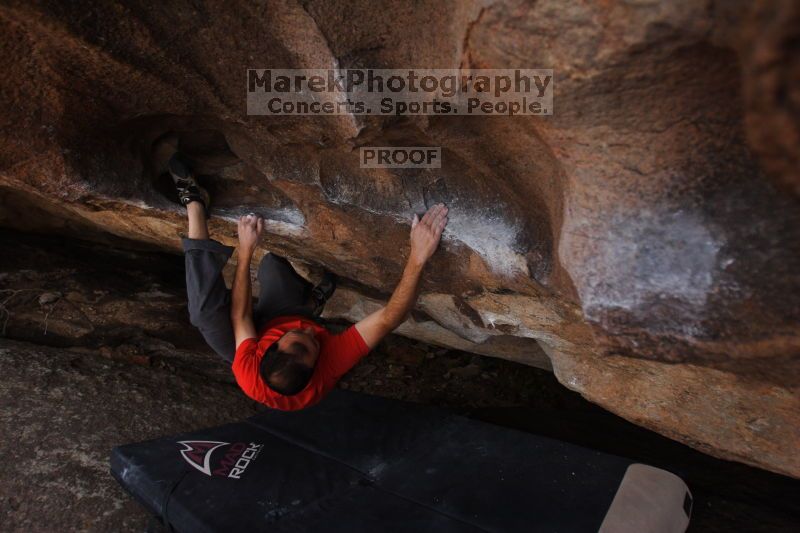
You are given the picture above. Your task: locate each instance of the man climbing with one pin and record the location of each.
(280, 355)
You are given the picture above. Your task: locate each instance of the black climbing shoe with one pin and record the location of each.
(323, 291)
(185, 184)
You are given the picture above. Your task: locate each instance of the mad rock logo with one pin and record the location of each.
(227, 462)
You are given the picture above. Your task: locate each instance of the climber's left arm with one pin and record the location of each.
(425, 236)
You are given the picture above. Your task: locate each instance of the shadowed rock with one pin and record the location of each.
(633, 235)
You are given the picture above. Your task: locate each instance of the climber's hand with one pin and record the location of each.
(250, 227)
(425, 234)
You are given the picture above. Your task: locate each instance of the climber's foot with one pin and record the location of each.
(323, 291)
(185, 184)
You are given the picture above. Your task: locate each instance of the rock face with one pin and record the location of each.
(646, 237)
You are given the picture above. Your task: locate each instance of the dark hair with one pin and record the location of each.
(282, 372)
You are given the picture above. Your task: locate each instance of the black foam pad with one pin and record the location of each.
(362, 463)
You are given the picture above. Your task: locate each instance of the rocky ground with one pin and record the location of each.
(98, 352)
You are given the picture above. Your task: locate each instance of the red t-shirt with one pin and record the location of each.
(337, 355)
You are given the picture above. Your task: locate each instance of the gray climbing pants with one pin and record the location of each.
(283, 292)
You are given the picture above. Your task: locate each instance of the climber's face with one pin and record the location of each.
(302, 343)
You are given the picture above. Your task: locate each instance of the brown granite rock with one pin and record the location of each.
(646, 237)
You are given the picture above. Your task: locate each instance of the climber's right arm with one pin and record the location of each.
(250, 227)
